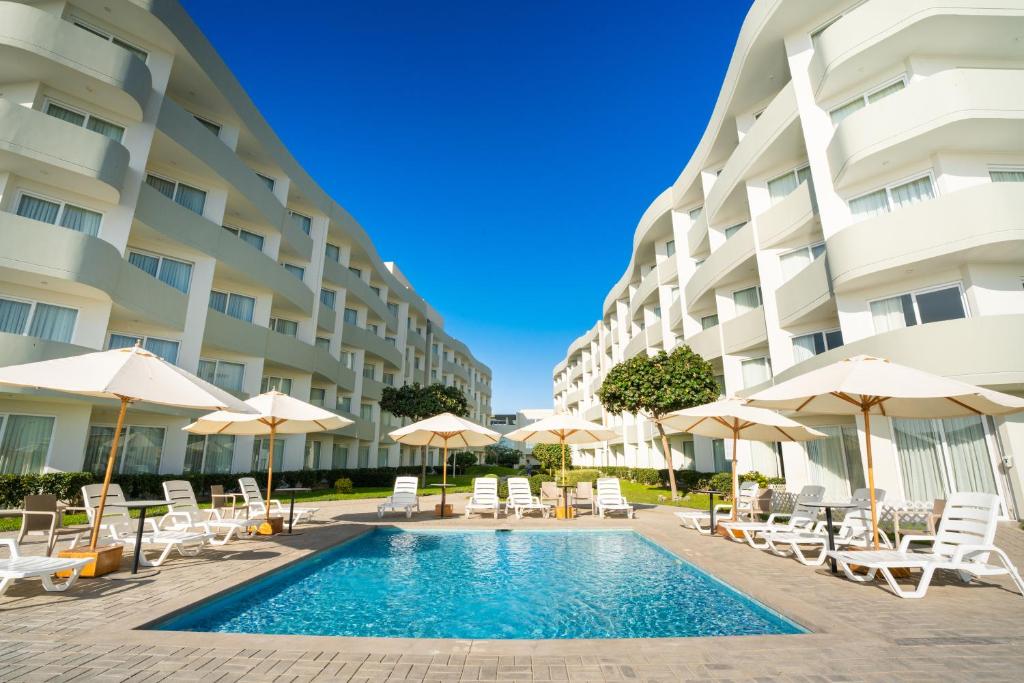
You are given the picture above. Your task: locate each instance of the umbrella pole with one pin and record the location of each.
(98, 521)
(871, 474)
(735, 475)
(270, 467)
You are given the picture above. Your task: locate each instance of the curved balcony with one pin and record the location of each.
(648, 286)
(806, 296)
(793, 220)
(745, 331)
(60, 259)
(40, 46)
(289, 351)
(573, 397)
(359, 290)
(981, 223)
(668, 270)
(707, 343)
(975, 110)
(16, 349)
(983, 351)
(635, 345)
(372, 389)
(576, 371)
(257, 203)
(361, 429)
(230, 334)
(416, 340)
(371, 343)
(733, 261)
(42, 147)
(593, 413)
(774, 139)
(328, 367)
(235, 258)
(697, 236)
(457, 370)
(326, 319)
(879, 34)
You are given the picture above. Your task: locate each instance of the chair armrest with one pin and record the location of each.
(723, 507)
(907, 540)
(958, 554)
(778, 515)
(12, 546)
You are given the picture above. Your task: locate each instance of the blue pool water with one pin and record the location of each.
(488, 585)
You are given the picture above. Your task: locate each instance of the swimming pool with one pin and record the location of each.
(488, 585)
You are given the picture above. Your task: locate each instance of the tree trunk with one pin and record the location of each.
(668, 460)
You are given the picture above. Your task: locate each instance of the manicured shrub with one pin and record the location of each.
(536, 480)
(647, 476)
(65, 485)
(573, 477)
(343, 485)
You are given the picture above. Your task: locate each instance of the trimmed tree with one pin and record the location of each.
(656, 385)
(418, 402)
(549, 455)
(503, 456)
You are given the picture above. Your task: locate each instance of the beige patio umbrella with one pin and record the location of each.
(866, 385)
(562, 429)
(270, 414)
(129, 375)
(733, 418)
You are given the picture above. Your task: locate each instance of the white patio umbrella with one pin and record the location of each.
(270, 414)
(442, 429)
(733, 418)
(129, 375)
(866, 385)
(562, 429)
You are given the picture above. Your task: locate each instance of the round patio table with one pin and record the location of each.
(141, 506)
(444, 488)
(829, 506)
(711, 505)
(291, 506)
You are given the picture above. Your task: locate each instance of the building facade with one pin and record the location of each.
(143, 197)
(503, 423)
(858, 189)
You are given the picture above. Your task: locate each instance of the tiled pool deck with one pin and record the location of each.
(859, 633)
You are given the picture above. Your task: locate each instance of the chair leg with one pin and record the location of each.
(54, 587)
(5, 583)
(918, 592)
(853, 576)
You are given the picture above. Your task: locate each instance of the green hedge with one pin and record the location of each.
(686, 480)
(65, 485)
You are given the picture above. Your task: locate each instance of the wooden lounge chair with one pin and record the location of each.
(584, 495)
(485, 497)
(19, 566)
(404, 498)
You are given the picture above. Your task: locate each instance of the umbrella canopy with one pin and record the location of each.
(128, 375)
(443, 430)
(868, 385)
(732, 418)
(270, 414)
(563, 429)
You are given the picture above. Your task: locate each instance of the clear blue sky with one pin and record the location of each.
(489, 147)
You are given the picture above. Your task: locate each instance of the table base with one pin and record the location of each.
(274, 525)
(561, 512)
(448, 510)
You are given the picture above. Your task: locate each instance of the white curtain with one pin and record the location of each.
(755, 371)
(14, 316)
(97, 448)
(38, 209)
(164, 187)
(882, 93)
(207, 370)
(145, 262)
(764, 458)
(382, 457)
(220, 450)
(1007, 176)
(241, 307)
(55, 323)
(920, 457)
(142, 448)
(25, 444)
(782, 186)
(327, 298)
(106, 128)
(339, 457)
(303, 223)
(121, 341)
(81, 220)
(229, 375)
(364, 457)
(59, 112)
(194, 448)
(746, 299)
(176, 273)
(251, 238)
(723, 461)
(793, 262)
(840, 113)
(887, 314)
(259, 454)
(191, 198)
(913, 192)
(968, 454)
(218, 301)
(873, 204)
(804, 348)
(827, 463)
(165, 348)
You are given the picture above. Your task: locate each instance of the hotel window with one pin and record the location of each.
(793, 262)
(267, 180)
(322, 343)
(382, 457)
(746, 299)
(364, 457)
(389, 378)
(892, 197)
(249, 238)
(1006, 175)
(694, 214)
(670, 248)
(393, 309)
(376, 290)
(674, 293)
(939, 457)
(720, 381)
(870, 97)
(755, 371)
(810, 345)
(835, 463)
(317, 396)
(355, 271)
(209, 454)
(311, 461)
(24, 443)
(208, 125)
(237, 306)
(369, 370)
(110, 38)
(284, 326)
(783, 185)
(733, 229)
(348, 359)
(344, 404)
(165, 348)
(303, 223)
(177, 274)
(339, 457)
(190, 197)
(83, 119)
(374, 327)
(297, 271)
(281, 384)
(222, 373)
(366, 411)
(392, 340)
(708, 321)
(328, 297)
(332, 252)
(260, 448)
(139, 449)
(351, 316)
(37, 319)
(722, 462)
(59, 213)
(917, 308)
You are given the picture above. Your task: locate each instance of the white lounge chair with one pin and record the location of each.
(854, 532)
(802, 518)
(700, 520)
(963, 543)
(404, 498)
(257, 504)
(485, 497)
(521, 499)
(19, 566)
(610, 498)
(118, 525)
(186, 515)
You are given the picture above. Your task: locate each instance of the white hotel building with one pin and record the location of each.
(143, 196)
(858, 189)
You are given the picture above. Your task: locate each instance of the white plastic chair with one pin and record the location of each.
(963, 543)
(610, 498)
(521, 499)
(700, 520)
(257, 504)
(186, 515)
(404, 498)
(485, 497)
(19, 566)
(854, 532)
(802, 518)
